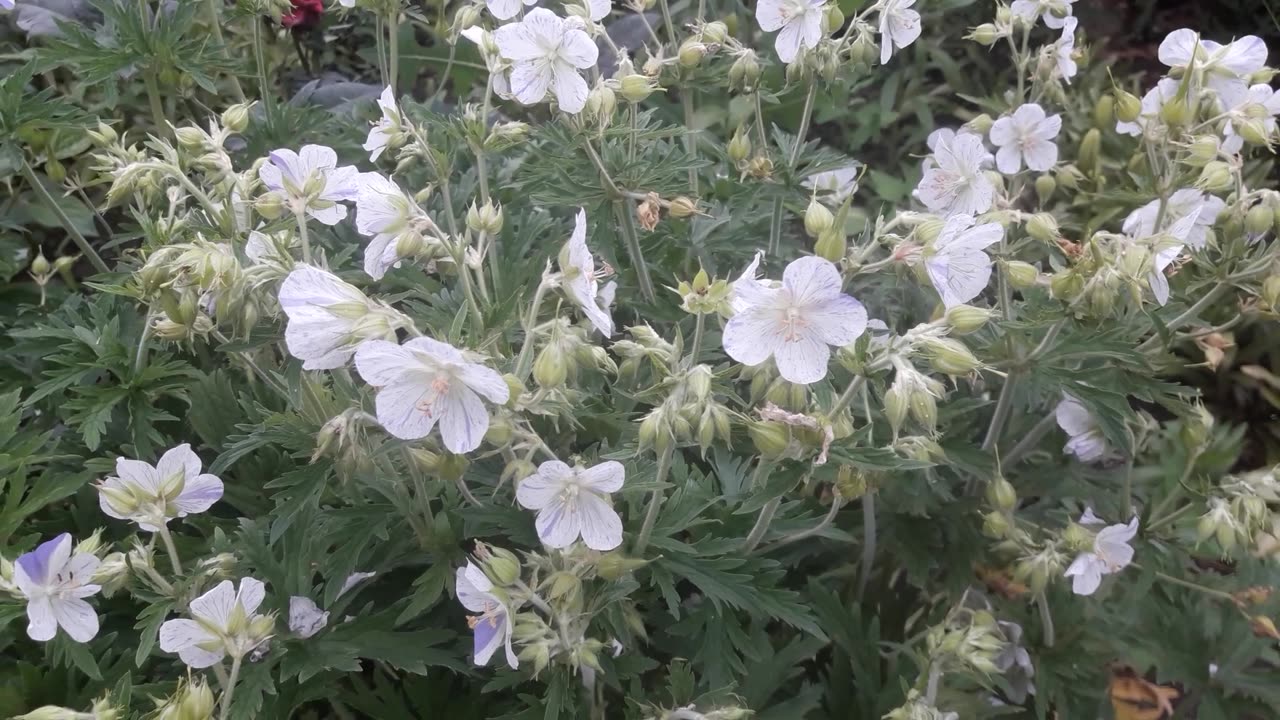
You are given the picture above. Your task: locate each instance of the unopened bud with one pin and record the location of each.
(1043, 227)
(635, 88)
(739, 147)
(682, 207)
(615, 565)
(950, 356)
(601, 103)
(40, 265)
(1271, 291)
(965, 319)
(985, 34)
(1066, 284)
(550, 369)
(980, 124)
(831, 245)
(1127, 106)
(270, 205)
(1001, 495)
(770, 438)
(1216, 177)
(851, 482)
(715, 32)
(236, 117)
(1045, 185)
(744, 74)
(1258, 220)
(190, 138)
(817, 218)
(1176, 112)
(1104, 111)
(1088, 156)
(691, 53)
(502, 567)
(1021, 275)
(832, 18)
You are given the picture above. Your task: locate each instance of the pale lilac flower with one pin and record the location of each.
(799, 23)
(796, 323)
(899, 26)
(1111, 553)
(573, 502)
(1142, 222)
(547, 53)
(1086, 440)
(6, 4)
(1055, 13)
(1152, 102)
(579, 278)
(1260, 104)
(492, 627)
(956, 183)
(151, 496)
(328, 318)
(225, 622)
(956, 262)
(1225, 68)
(311, 181)
(385, 213)
(834, 187)
(1027, 136)
(55, 580)
(1064, 51)
(387, 129)
(424, 382)
(506, 9)
(305, 617)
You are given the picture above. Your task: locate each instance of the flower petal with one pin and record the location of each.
(569, 87)
(215, 607)
(199, 494)
(601, 526)
(558, 524)
(41, 624)
(538, 490)
(811, 279)
(771, 14)
(1178, 47)
(382, 363)
(606, 477)
(802, 359)
(485, 381)
(579, 49)
(751, 337)
(402, 411)
(39, 567)
(76, 617)
(252, 591)
(463, 419)
(838, 321)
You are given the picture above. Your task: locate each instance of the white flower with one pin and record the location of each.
(225, 623)
(55, 582)
(800, 23)
(499, 68)
(956, 263)
(385, 213)
(747, 286)
(1225, 68)
(579, 279)
(899, 26)
(1168, 245)
(1064, 51)
(955, 181)
(1142, 222)
(1260, 103)
(1054, 12)
(835, 186)
(573, 502)
(328, 318)
(506, 9)
(425, 382)
(1111, 554)
(1152, 102)
(388, 127)
(6, 4)
(311, 181)
(796, 323)
(1026, 136)
(305, 617)
(151, 496)
(492, 627)
(1086, 440)
(547, 52)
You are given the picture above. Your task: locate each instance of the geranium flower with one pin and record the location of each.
(1142, 222)
(955, 181)
(1054, 12)
(1111, 553)
(1152, 102)
(151, 496)
(579, 278)
(1086, 440)
(835, 186)
(547, 52)
(899, 26)
(387, 129)
(1026, 136)
(799, 23)
(796, 323)
(1064, 51)
(311, 181)
(1168, 245)
(573, 502)
(305, 617)
(385, 213)
(225, 623)
(328, 318)
(955, 261)
(303, 14)
(492, 627)
(1261, 104)
(425, 382)
(55, 580)
(1225, 68)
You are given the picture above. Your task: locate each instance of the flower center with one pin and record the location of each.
(794, 324)
(439, 387)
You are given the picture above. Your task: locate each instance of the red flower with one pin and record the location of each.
(305, 14)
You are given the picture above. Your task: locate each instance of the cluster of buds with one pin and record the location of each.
(566, 349)
(919, 708)
(203, 150)
(999, 523)
(1241, 512)
(688, 413)
(342, 439)
(192, 700)
(969, 641)
(914, 393)
(1001, 27)
(192, 283)
(704, 295)
(646, 348)
(102, 709)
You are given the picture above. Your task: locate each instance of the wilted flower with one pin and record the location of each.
(955, 261)
(1225, 68)
(579, 278)
(954, 181)
(1026, 136)
(1054, 12)
(305, 617)
(1111, 553)
(1086, 440)
(387, 131)
(55, 580)
(794, 324)
(899, 26)
(492, 627)
(225, 623)
(799, 23)
(312, 181)
(426, 381)
(835, 186)
(572, 502)
(328, 318)
(547, 52)
(151, 496)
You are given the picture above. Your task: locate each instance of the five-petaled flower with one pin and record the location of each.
(492, 626)
(55, 580)
(387, 132)
(311, 181)
(956, 262)
(151, 496)
(572, 502)
(547, 53)
(386, 214)
(954, 180)
(799, 23)
(1086, 440)
(225, 622)
(1064, 49)
(833, 187)
(1225, 69)
(424, 382)
(795, 323)
(579, 278)
(1168, 244)
(899, 26)
(1027, 136)
(1111, 553)
(328, 318)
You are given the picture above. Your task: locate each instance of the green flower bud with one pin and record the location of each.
(832, 19)
(635, 88)
(929, 230)
(1196, 428)
(191, 139)
(985, 34)
(1077, 538)
(453, 467)
(550, 369)
(831, 245)
(895, 407)
(924, 408)
(1088, 157)
(817, 218)
(691, 53)
(980, 124)
(770, 438)
(1045, 185)
(1104, 112)
(40, 265)
(1258, 220)
(51, 712)
(1127, 106)
(682, 207)
(965, 319)
(1066, 284)
(995, 525)
(1021, 275)
(1001, 495)
(715, 32)
(851, 482)
(1271, 291)
(614, 565)
(950, 356)
(236, 117)
(1176, 112)
(270, 205)
(739, 147)
(1043, 227)
(744, 73)
(1216, 177)
(564, 586)
(1254, 131)
(1202, 150)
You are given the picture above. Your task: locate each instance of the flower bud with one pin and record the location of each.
(817, 218)
(1001, 495)
(601, 103)
(895, 407)
(1066, 284)
(924, 408)
(1271, 291)
(831, 245)
(550, 369)
(1045, 185)
(965, 319)
(104, 134)
(744, 74)
(1216, 177)
(1043, 227)
(1202, 150)
(1088, 158)
(1258, 220)
(715, 32)
(1176, 112)
(501, 566)
(682, 207)
(112, 573)
(739, 147)
(1127, 106)
(691, 53)
(191, 139)
(635, 88)
(40, 266)
(980, 124)
(770, 438)
(614, 565)
(1021, 275)
(1104, 111)
(995, 525)
(1254, 131)
(236, 117)
(985, 34)
(950, 356)
(487, 218)
(51, 712)
(270, 205)
(832, 18)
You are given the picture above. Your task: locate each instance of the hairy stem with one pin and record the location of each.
(1004, 405)
(525, 361)
(762, 525)
(393, 39)
(157, 108)
(1028, 443)
(627, 220)
(215, 22)
(655, 502)
(229, 693)
(823, 524)
(76, 236)
(868, 541)
(169, 548)
(1046, 619)
(1190, 314)
(301, 216)
(260, 59)
(775, 219)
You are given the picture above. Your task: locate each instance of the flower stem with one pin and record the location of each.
(931, 686)
(380, 42)
(855, 386)
(1004, 405)
(775, 220)
(655, 502)
(762, 525)
(215, 22)
(260, 59)
(1190, 314)
(167, 538)
(393, 39)
(1032, 438)
(525, 361)
(699, 324)
(666, 20)
(690, 142)
(628, 223)
(157, 109)
(76, 236)
(868, 541)
(140, 357)
(229, 693)
(1046, 619)
(301, 216)
(1195, 586)
(826, 521)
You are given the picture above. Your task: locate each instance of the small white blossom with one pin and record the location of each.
(1260, 103)
(1085, 441)
(499, 67)
(955, 181)
(387, 129)
(955, 261)
(55, 580)
(573, 502)
(385, 213)
(1027, 136)
(1064, 51)
(1111, 553)
(151, 495)
(492, 627)
(424, 382)
(1055, 13)
(311, 181)
(796, 323)
(1166, 246)
(1225, 68)
(799, 23)
(506, 9)
(579, 278)
(328, 318)
(899, 26)
(225, 622)
(547, 53)
(834, 187)
(305, 617)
